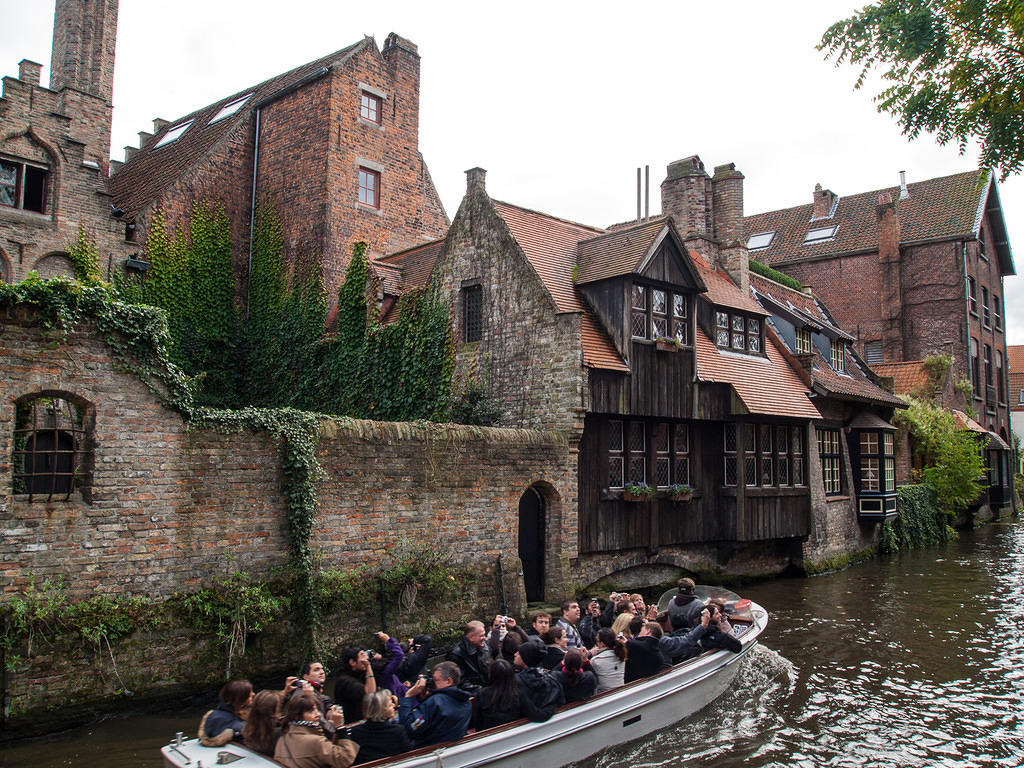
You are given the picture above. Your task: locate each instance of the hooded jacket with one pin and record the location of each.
(442, 716)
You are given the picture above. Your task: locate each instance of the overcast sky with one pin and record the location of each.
(560, 102)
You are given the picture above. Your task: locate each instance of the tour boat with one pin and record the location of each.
(576, 731)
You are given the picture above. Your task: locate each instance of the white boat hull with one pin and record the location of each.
(574, 733)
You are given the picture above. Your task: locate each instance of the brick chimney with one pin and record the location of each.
(403, 61)
(686, 196)
(727, 218)
(475, 179)
(824, 199)
(29, 71)
(890, 266)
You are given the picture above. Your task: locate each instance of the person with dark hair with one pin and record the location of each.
(263, 725)
(417, 651)
(379, 735)
(608, 660)
(225, 722)
(472, 655)
(445, 712)
(312, 678)
(355, 680)
(540, 622)
(303, 744)
(555, 642)
(541, 690)
(590, 623)
(385, 666)
(577, 683)
(644, 657)
(684, 609)
(506, 636)
(570, 615)
(498, 702)
(719, 630)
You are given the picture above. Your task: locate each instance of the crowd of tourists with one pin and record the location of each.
(386, 703)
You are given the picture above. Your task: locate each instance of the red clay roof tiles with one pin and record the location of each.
(618, 253)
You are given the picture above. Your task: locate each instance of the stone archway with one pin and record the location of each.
(54, 265)
(532, 542)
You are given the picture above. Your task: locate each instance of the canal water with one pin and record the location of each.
(911, 660)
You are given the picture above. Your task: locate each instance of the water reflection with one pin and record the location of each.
(916, 660)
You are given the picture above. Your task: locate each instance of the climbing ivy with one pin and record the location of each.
(85, 258)
(921, 522)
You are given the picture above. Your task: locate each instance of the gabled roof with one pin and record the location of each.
(908, 378)
(550, 245)
(766, 385)
(404, 271)
(151, 169)
(947, 207)
(625, 251)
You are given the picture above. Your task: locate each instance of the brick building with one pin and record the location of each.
(645, 345)
(912, 271)
(55, 147)
(333, 144)
(1015, 358)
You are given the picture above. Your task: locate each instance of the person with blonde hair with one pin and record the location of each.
(621, 625)
(379, 735)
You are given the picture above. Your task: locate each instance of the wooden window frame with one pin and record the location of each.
(804, 343)
(369, 194)
(673, 451)
(371, 107)
(881, 459)
(830, 455)
(22, 173)
(676, 326)
(837, 355)
(760, 445)
(739, 327)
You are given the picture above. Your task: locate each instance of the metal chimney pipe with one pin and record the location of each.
(638, 194)
(647, 192)
(904, 194)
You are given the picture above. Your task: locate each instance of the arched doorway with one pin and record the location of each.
(532, 540)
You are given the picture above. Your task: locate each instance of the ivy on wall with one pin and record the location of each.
(921, 522)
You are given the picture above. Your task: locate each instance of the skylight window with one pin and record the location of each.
(761, 240)
(173, 134)
(230, 108)
(820, 234)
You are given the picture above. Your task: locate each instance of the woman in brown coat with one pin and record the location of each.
(303, 745)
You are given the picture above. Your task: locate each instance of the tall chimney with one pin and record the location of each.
(686, 196)
(727, 218)
(403, 61)
(475, 179)
(84, 38)
(824, 199)
(891, 279)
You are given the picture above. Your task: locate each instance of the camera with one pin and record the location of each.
(300, 684)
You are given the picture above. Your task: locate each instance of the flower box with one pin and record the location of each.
(635, 497)
(637, 492)
(666, 345)
(679, 492)
(681, 496)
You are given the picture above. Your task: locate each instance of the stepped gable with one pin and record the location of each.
(550, 244)
(946, 207)
(151, 169)
(857, 382)
(766, 385)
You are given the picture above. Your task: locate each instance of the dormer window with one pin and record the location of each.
(803, 341)
(738, 332)
(656, 313)
(838, 360)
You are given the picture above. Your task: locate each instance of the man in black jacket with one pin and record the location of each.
(685, 608)
(473, 656)
(539, 690)
(643, 653)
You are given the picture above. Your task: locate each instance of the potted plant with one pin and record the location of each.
(680, 492)
(665, 344)
(638, 492)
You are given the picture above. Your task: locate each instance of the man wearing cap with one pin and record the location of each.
(685, 608)
(539, 691)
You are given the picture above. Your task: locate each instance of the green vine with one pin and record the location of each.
(85, 258)
(921, 522)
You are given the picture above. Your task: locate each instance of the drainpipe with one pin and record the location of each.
(967, 327)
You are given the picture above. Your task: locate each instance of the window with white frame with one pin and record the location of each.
(838, 360)
(877, 461)
(656, 453)
(738, 332)
(657, 313)
(773, 454)
(831, 460)
(803, 341)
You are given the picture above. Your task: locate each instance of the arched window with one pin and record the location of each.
(50, 447)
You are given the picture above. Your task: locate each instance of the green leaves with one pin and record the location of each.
(956, 69)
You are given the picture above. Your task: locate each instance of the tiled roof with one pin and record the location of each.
(150, 170)
(1015, 357)
(766, 385)
(908, 378)
(616, 253)
(722, 291)
(936, 208)
(413, 265)
(550, 245)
